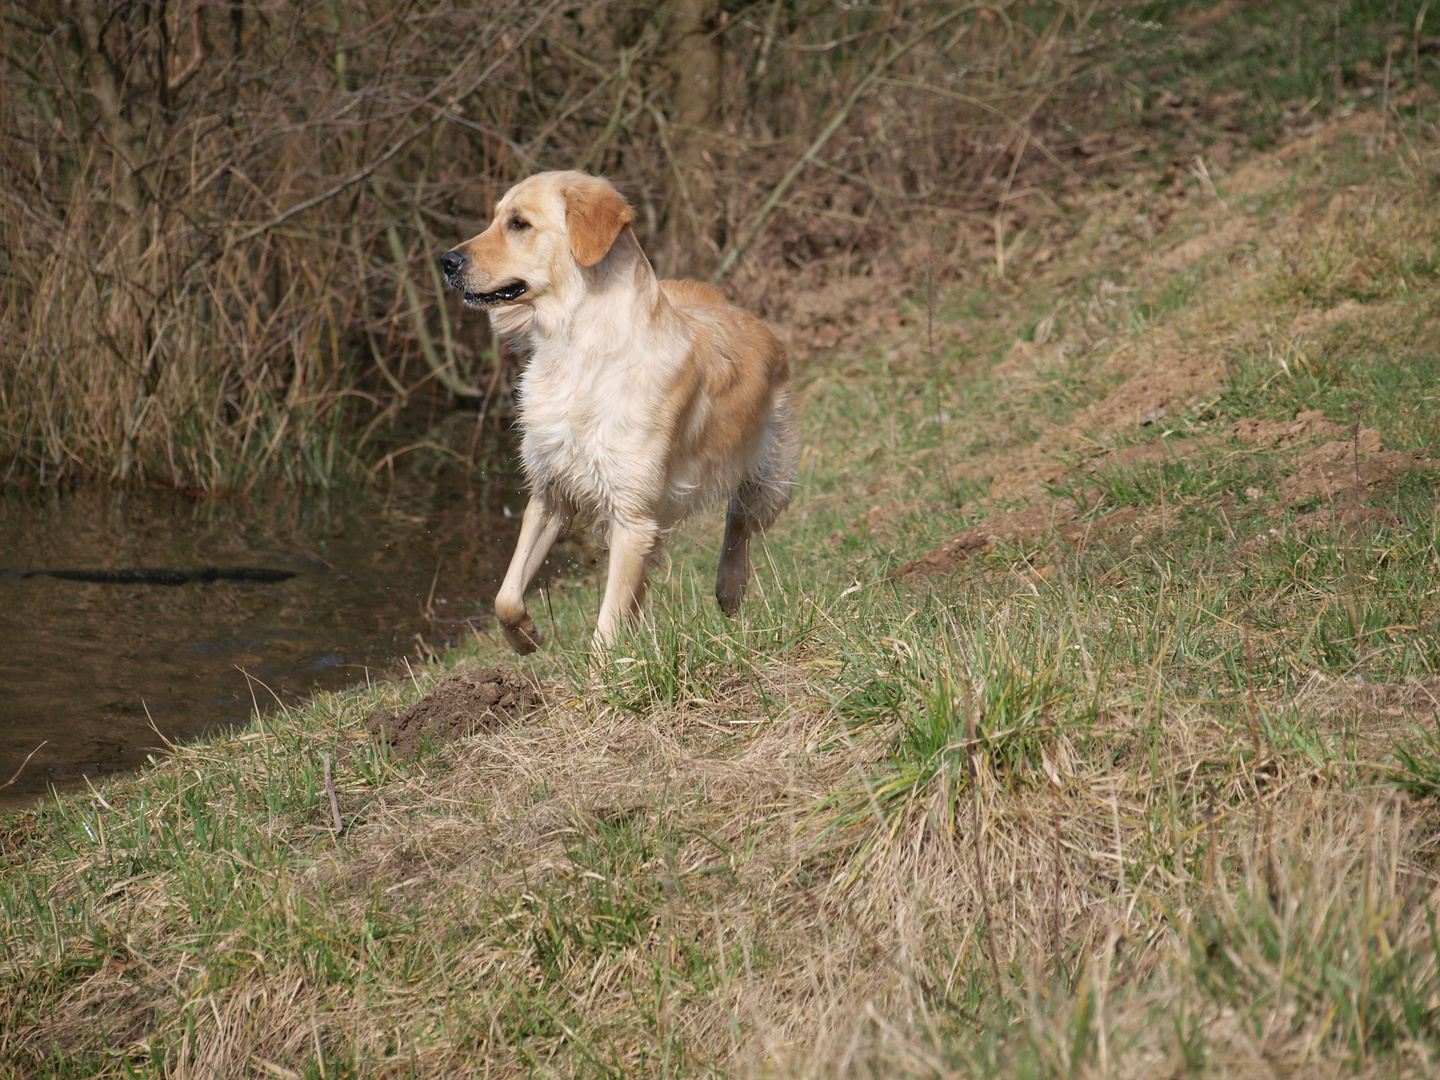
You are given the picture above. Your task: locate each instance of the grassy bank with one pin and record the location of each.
(1082, 720)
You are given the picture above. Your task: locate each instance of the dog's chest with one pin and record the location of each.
(590, 431)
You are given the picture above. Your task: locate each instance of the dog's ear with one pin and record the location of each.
(594, 215)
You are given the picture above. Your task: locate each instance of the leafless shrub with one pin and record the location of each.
(219, 219)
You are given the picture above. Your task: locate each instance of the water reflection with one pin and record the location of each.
(89, 667)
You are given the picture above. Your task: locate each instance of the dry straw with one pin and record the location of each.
(218, 221)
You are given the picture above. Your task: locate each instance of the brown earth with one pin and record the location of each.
(1234, 232)
(1347, 469)
(1054, 519)
(1339, 473)
(1027, 524)
(1306, 427)
(878, 520)
(1164, 381)
(1161, 383)
(462, 703)
(1159, 452)
(1317, 320)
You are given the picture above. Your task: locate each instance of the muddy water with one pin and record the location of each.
(87, 668)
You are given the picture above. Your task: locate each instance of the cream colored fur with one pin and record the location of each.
(642, 401)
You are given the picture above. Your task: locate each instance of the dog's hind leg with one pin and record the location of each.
(734, 572)
(762, 495)
(539, 529)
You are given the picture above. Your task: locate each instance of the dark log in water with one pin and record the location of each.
(245, 575)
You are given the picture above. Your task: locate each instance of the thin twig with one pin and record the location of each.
(22, 765)
(330, 791)
(863, 87)
(970, 770)
(1385, 97)
(1059, 855)
(442, 113)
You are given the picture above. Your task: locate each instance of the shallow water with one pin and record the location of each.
(88, 668)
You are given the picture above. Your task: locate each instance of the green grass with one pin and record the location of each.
(1156, 803)
(1276, 60)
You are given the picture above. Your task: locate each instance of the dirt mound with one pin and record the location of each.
(1232, 234)
(462, 703)
(1031, 524)
(1351, 516)
(1318, 320)
(1164, 382)
(1306, 427)
(1155, 453)
(1349, 468)
(1162, 378)
(1161, 384)
(878, 521)
(1339, 473)
(1027, 524)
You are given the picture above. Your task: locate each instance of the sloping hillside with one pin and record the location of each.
(1082, 720)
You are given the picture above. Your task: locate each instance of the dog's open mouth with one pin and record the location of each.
(503, 295)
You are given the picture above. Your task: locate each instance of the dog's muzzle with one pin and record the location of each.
(453, 263)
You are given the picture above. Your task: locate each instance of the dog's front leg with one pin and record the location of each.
(539, 528)
(630, 549)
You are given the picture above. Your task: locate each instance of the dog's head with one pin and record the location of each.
(544, 228)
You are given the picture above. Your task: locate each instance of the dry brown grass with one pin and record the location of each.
(220, 221)
(469, 918)
(1129, 809)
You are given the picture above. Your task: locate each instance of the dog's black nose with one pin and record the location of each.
(452, 261)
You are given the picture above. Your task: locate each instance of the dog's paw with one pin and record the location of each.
(730, 588)
(523, 637)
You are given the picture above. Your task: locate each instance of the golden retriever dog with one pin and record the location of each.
(642, 401)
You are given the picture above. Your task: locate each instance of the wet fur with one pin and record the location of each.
(643, 401)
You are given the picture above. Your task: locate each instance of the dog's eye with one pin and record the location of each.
(518, 224)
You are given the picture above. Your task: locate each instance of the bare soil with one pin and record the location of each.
(1339, 474)
(1156, 453)
(1306, 427)
(463, 703)
(1031, 523)
(1347, 470)
(1310, 321)
(1229, 235)
(1154, 385)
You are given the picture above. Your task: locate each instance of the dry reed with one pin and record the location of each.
(218, 221)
